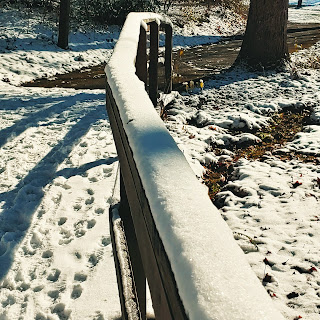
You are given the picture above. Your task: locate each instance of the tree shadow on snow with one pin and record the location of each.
(33, 118)
(19, 204)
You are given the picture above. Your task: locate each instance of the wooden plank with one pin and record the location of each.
(166, 300)
(153, 64)
(133, 247)
(120, 272)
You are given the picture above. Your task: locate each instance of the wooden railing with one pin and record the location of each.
(151, 82)
(140, 246)
(145, 248)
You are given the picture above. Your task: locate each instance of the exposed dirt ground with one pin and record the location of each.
(195, 62)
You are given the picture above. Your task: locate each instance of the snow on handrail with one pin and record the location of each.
(212, 276)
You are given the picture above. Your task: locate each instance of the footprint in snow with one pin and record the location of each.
(91, 223)
(9, 301)
(54, 294)
(35, 241)
(66, 236)
(81, 277)
(77, 207)
(79, 227)
(99, 211)
(38, 288)
(95, 257)
(41, 316)
(23, 286)
(80, 233)
(105, 241)
(41, 212)
(76, 291)
(107, 172)
(89, 201)
(47, 254)
(62, 221)
(98, 316)
(61, 311)
(78, 255)
(54, 275)
(90, 192)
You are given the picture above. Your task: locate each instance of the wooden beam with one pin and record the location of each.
(141, 59)
(168, 59)
(133, 247)
(153, 64)
(122, 269)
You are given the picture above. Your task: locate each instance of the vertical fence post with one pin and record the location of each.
(168, 59)
(153, 64)
(141, 59)
(134, 252)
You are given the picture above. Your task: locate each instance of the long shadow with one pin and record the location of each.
(71, 172)
(28, 44)
(33, 118)
(19, 204)
(8, 104)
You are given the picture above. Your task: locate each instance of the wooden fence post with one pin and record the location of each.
(168, 59)
(141, 59)
(153, 64)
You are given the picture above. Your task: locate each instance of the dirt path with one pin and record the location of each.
(195, 62)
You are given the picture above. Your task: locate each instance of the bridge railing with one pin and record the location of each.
(165, 229)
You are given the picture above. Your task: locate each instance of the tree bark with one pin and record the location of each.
(265, 39)
(64, 22)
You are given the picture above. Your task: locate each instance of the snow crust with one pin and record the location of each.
(179, 203)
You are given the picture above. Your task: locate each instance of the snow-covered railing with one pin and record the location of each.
(173, 235)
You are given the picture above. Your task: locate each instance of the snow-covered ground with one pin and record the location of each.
(274, 202)
(306, 14)
(58, 171)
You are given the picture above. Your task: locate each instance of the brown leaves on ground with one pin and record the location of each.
(284, 126)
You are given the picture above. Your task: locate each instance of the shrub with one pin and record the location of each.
(238, 6)
(109, 11)
(89, 11)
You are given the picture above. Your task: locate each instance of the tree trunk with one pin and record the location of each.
(299, 5)
(265, 39)
(64, 21)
